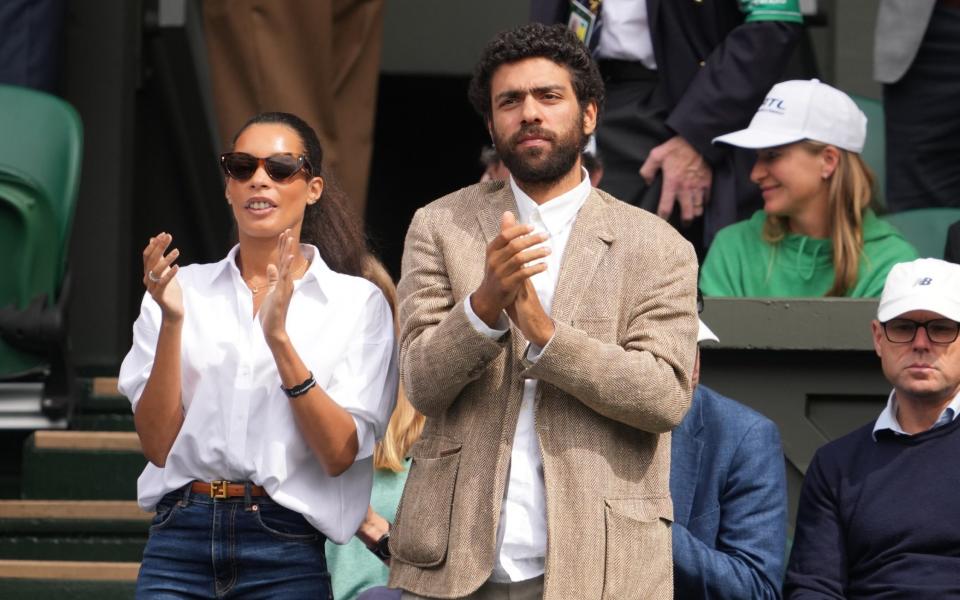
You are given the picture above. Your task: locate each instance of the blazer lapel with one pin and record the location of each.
(589, 240)
(686, 451)
(498, 202)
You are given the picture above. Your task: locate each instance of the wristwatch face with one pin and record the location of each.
(383, 547)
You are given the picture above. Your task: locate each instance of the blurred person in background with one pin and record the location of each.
(319, 59)
(678, 74)
(917, 59)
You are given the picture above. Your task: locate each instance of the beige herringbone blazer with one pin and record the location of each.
(614, 380)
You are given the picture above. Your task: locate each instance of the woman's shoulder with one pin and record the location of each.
(742, 232)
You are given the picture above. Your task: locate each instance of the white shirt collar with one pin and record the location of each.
(557, 212)
(888, 418)
(317, 270)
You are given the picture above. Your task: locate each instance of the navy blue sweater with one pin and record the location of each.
(880, 519)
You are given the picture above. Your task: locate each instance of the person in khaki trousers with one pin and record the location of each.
(319, 59)
(547, 332)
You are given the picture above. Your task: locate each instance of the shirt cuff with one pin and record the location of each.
(495, 333)
(365, 441)
(534, 352)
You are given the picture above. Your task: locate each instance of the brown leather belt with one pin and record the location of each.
(950, 3)
(224, 489)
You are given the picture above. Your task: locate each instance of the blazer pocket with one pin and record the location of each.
(639, 560)
(421, 532)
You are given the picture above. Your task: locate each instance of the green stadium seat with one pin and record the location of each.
(875, 149)
(40, 155)
(925, 228)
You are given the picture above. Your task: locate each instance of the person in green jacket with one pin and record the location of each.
(816, 234)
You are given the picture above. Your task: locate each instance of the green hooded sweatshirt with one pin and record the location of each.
(741, 263)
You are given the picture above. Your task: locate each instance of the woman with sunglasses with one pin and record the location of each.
(816, 234)
(260, 383)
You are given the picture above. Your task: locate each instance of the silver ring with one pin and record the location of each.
(152, 277)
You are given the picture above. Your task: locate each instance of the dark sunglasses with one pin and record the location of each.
(280, 167)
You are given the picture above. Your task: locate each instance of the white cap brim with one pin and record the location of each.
(705, 335)
(946, 307)
(757, 138)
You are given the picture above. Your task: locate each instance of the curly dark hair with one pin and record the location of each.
(536, 40)
(327, 224)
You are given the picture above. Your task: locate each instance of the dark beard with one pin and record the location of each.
(538, 165)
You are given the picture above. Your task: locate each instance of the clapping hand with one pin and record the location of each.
(273, 311)
(511, 259)
(159, 276)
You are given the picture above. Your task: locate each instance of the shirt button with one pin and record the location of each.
(702, 63)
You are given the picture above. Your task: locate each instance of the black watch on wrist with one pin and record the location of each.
(381, 549)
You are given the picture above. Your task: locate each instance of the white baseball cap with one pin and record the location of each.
(705, 335)
(803, 110)
(922, 284)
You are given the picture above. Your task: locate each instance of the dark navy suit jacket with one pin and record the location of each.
(730, 501)
(715, 69)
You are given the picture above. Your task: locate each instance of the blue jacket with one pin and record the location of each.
(730, 501)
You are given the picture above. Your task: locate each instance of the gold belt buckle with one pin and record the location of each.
(218, 489)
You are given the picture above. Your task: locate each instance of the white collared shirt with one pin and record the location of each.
(625, 32)
(238, 424)
(522, 534)
(888, 418)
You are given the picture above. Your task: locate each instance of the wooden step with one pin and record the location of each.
(81, 465)
(102, 407)
(73, 510)
(69, 570)
(105, 387)
(125, 441)
(78, 530)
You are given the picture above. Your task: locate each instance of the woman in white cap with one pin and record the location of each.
(816, 234)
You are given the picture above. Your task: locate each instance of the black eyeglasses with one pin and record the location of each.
(280, 167)
(939, 331)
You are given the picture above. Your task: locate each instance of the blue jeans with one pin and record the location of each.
(235, 548)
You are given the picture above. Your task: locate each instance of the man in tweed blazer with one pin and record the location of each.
(548, 332)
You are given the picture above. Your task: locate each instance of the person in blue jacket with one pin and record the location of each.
(729, 494)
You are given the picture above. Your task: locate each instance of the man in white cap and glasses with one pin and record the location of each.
(878, 511)
(729, 498)
(816, 234)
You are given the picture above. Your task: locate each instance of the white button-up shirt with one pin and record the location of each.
(522, 534)
(625, 33)
(238, 424)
